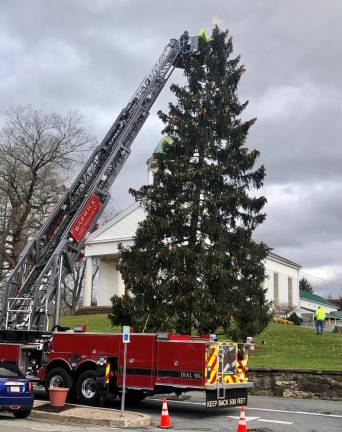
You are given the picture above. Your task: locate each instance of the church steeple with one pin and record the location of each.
(152, 164)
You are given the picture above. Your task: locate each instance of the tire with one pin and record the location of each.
(134, 396)
(87, 390)
(59, 377)
(21, 414)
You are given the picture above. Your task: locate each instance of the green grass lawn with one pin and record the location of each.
(279, 346)
(96, 322)
(285, 346)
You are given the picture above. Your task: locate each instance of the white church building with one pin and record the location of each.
(282, 282)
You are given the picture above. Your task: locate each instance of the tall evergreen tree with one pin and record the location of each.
(305, 285)
(194, 263)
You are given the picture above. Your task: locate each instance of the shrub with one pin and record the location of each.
(297, 320)
(282, 321)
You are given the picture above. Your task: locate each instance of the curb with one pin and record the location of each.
(142, 420)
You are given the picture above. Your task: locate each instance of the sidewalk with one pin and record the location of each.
(88, 415)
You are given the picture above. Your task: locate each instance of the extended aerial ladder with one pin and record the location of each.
(33, 290)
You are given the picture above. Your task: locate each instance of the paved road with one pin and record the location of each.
(263, 415)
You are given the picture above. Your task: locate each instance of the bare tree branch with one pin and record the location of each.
(36, 151)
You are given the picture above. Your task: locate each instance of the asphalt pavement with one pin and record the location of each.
(264, 414)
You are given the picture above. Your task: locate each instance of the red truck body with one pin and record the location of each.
(10, 352)
(92, 364)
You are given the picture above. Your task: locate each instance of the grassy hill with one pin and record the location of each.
(279, 346)
(284, 346)
(96, 322)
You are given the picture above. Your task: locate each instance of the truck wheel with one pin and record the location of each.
(22, 414)
(87, 389)
(58, 377)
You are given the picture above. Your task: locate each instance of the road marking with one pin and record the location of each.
(275, 421)
(261, 419)
(247, 418)
(295, 412)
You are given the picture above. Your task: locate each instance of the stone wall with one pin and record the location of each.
(296, 383)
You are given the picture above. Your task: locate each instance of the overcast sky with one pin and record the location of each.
(90, 55)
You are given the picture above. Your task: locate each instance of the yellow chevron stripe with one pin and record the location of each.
(107, 372)
(213, 357)
(228, 379)
(213, 371)
(208, 358)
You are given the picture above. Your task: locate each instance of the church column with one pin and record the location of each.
(88, 282)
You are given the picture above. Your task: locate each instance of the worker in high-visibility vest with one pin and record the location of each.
(319, 319)
(203, 35)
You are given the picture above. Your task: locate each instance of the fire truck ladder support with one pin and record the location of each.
(32, 294)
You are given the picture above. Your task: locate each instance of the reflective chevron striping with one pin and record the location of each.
(107, 375)
(212, 374)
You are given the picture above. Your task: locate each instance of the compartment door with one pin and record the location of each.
(140, 366)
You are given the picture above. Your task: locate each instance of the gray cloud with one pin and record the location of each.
(90, 55)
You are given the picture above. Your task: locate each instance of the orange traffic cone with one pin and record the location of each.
(242, 421)
(165, 422)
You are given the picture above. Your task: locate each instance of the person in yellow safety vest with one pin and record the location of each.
(203, 35)
(319, 319)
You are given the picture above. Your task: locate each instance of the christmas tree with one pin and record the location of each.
(194, 263)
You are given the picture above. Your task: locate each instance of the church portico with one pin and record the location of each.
(103, 247)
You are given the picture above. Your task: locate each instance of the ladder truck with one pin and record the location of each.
(33, 294)
(91, 364)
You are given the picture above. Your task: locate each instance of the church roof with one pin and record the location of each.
(122, 226)
(305, 295)
(160, 145)
(282, 260)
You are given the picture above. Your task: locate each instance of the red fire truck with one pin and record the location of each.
(91, 364)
